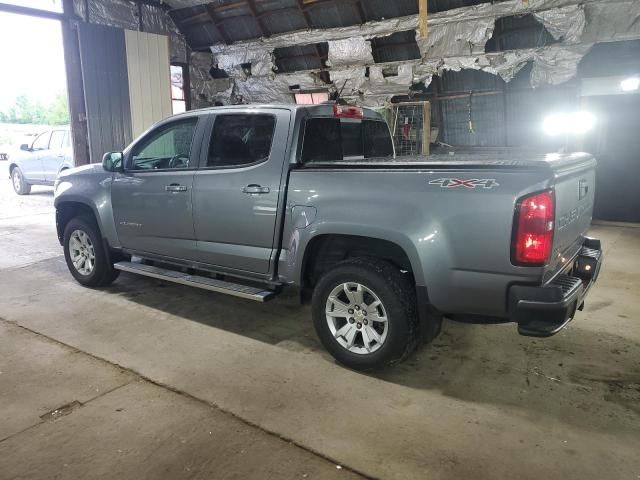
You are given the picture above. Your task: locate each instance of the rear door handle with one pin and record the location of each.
(254, 188)
(174, 187)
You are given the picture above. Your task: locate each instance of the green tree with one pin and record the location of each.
(25, 110)
(58, 111)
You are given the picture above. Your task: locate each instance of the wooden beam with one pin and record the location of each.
(422, 17)
(254, 14)
(198, 19)
(304, 13)
(228, 6)
(212, 13)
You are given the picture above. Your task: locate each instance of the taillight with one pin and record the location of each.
(347, 111)
(532, 241)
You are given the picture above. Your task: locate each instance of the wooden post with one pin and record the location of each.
(426, 128)
(75, 86)
(422, 8)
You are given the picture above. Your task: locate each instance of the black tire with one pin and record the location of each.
(397, 294)
(20, 185)
(103, 272)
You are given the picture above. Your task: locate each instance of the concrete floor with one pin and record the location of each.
(163, 381)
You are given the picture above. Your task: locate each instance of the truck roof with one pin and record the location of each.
(320, 110)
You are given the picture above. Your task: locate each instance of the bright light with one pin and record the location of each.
(575, 123)
(630, 84)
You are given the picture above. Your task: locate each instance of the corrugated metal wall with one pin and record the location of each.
(106, 88)
(149, 79)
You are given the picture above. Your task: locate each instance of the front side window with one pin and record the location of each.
(330, 139)
(41, 142)
(168, 147)
(240, 139)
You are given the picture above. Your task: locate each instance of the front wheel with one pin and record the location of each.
(20, 185)
(85, 253)
(364, 311)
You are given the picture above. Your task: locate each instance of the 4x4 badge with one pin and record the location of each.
(466, 183)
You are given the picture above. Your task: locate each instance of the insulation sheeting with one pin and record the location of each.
(378, 80)
(261, 61)
(456, 41)
(79, 8)
(273, 89)
(114, 13)
(156, 20)
(554, 65)
(565, 23)
(612, 21)
(177, 48)
(551, 65)
(453, 39)
(350, 80)
(307, 37)
(349, 51)
(205, 91)
(125, 14)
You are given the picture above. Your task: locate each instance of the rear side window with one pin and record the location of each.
(240, 139)
(329, 139)
(57, 139)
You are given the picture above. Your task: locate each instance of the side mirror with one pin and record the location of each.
(112, 162)
(25, 147)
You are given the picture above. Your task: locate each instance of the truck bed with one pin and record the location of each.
(486, 159)
(453, 213)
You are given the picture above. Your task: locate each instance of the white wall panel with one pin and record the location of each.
(149, 78)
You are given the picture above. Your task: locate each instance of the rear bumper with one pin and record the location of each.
(545, 310)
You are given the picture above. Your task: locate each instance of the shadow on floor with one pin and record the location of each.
(588, 378)
(583, 377)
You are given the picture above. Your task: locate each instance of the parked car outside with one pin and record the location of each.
(40, 162)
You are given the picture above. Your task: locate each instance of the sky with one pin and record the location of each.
(31, 55)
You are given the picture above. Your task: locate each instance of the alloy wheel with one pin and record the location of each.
(357, 318)
(81, 252)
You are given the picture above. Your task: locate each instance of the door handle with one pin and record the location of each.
(174, 187)
(254, 188)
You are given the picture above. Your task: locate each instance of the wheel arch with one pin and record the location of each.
(67, 210)
(325, 249)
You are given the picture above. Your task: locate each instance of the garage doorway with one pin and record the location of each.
(33, 90)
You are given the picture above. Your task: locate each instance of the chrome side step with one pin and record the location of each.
(220, 286)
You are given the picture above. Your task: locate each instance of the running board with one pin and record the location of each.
(220, 286)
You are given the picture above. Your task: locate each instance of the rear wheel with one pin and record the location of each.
(20, 185)
(85, 253)
(364, 311)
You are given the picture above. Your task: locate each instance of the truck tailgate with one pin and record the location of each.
(574, 196)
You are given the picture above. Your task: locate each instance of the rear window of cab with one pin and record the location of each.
(335, 139)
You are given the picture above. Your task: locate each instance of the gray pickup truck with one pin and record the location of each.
(246, 200)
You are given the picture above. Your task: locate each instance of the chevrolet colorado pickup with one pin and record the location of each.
(246, 200)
